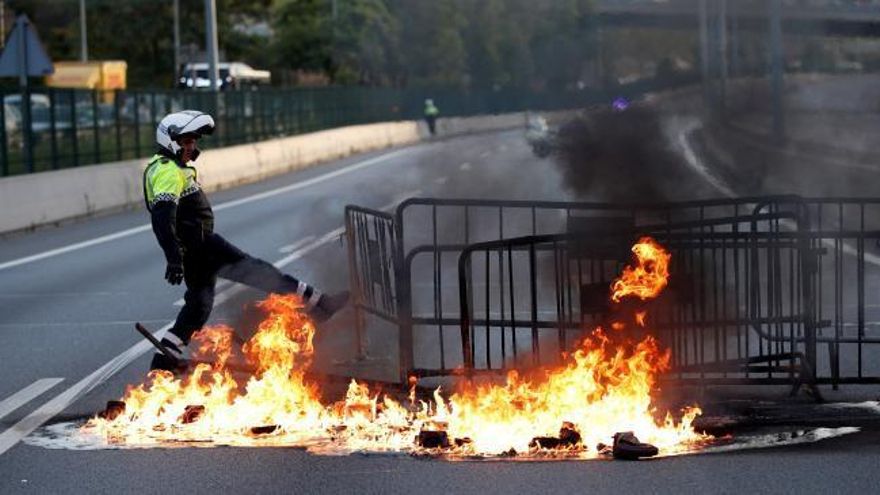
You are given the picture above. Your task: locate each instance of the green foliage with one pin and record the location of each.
(465, 43)
(364, 43)
(302, 34)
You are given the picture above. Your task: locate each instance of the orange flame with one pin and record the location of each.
(603, 387)
(649, 278)
(214, 343)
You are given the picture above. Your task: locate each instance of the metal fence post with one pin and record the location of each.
(777, 85)
(357, 290)
(96, 140)
(243, 127)
(258, 115)
(224, 132)
(153, 119)
(465, 308)
(116, 98)
(136, 108)
(26, 131)
(809, 263)
(4, 157)
(74, 134)
(404, 304)
(52, 128)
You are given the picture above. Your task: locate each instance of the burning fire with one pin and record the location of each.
(649, 278)
(604, 387)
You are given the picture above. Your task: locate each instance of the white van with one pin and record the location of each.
(40, 108)
(232, 75)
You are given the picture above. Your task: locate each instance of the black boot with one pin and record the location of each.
(162, 362)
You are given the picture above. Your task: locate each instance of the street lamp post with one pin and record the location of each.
(703, 16)
(723, 58)
(176, 41)
(776, 69)
(211, 41)
(83, 36)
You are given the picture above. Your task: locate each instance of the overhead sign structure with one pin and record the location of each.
(24, 54)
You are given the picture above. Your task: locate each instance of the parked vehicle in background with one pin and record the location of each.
(41, 118)
(12, 124)
(42, 113)
(85, 115)
(539, 135)
(232, 75)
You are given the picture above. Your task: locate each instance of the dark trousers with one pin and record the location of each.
(213, 257)
(432, 124)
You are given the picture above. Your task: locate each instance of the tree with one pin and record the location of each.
(563, 41)
(484, 36)
(302, 35)
(144, 40)
(460, 43)
(364, 43)
(433, 50)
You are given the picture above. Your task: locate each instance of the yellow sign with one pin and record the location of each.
(101, 75)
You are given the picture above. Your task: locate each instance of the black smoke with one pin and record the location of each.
(620, 156)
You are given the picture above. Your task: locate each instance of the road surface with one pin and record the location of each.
(69, 297)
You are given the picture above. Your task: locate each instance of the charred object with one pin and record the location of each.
(114, 409)
(627, 447)
(192, 413)
(263, 430)
(569, 438)
(433, 439)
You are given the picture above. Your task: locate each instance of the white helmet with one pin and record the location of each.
(180, 124)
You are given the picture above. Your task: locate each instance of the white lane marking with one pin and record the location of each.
(720, 185)
(690, 157)
(293, 247)
(299, 253)
(49, 410)
(793, 153)
(74, 247)
(222, 206)
(63, 294)
(465, 166)
(485, 154)
(27, 394)
(441, 180)
(315, 180)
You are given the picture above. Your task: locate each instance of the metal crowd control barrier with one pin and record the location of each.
(764, 290)
(373, 253)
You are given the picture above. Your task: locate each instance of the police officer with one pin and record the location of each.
(184, 226)
(431, 113)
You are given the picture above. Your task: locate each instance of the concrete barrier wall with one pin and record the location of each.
(454, 126)
(33, 200)
(227, 167)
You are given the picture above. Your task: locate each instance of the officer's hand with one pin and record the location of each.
(174, 273)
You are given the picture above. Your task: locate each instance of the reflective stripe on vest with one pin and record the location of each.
(165, 181)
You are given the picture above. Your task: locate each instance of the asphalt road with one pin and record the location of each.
(68, 346)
